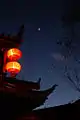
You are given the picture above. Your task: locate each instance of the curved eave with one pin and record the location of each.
(29, 100)
(22, 83)
(12, 41)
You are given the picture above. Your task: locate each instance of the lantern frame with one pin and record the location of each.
(14, 54)
(13, 67)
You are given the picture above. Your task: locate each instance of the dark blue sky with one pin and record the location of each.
(39, 47)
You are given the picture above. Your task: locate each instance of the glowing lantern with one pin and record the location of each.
(14, 54)
(13, 67)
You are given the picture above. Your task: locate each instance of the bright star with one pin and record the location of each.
(39, 29)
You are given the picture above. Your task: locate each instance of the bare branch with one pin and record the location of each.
(76, 81)
(77, 77)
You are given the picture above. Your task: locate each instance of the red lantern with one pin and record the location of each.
(13, 67)
(14, 54)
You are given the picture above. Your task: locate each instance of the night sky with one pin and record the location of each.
(41, 55)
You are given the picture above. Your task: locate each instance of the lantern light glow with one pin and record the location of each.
(14, 54)
(13, 67)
